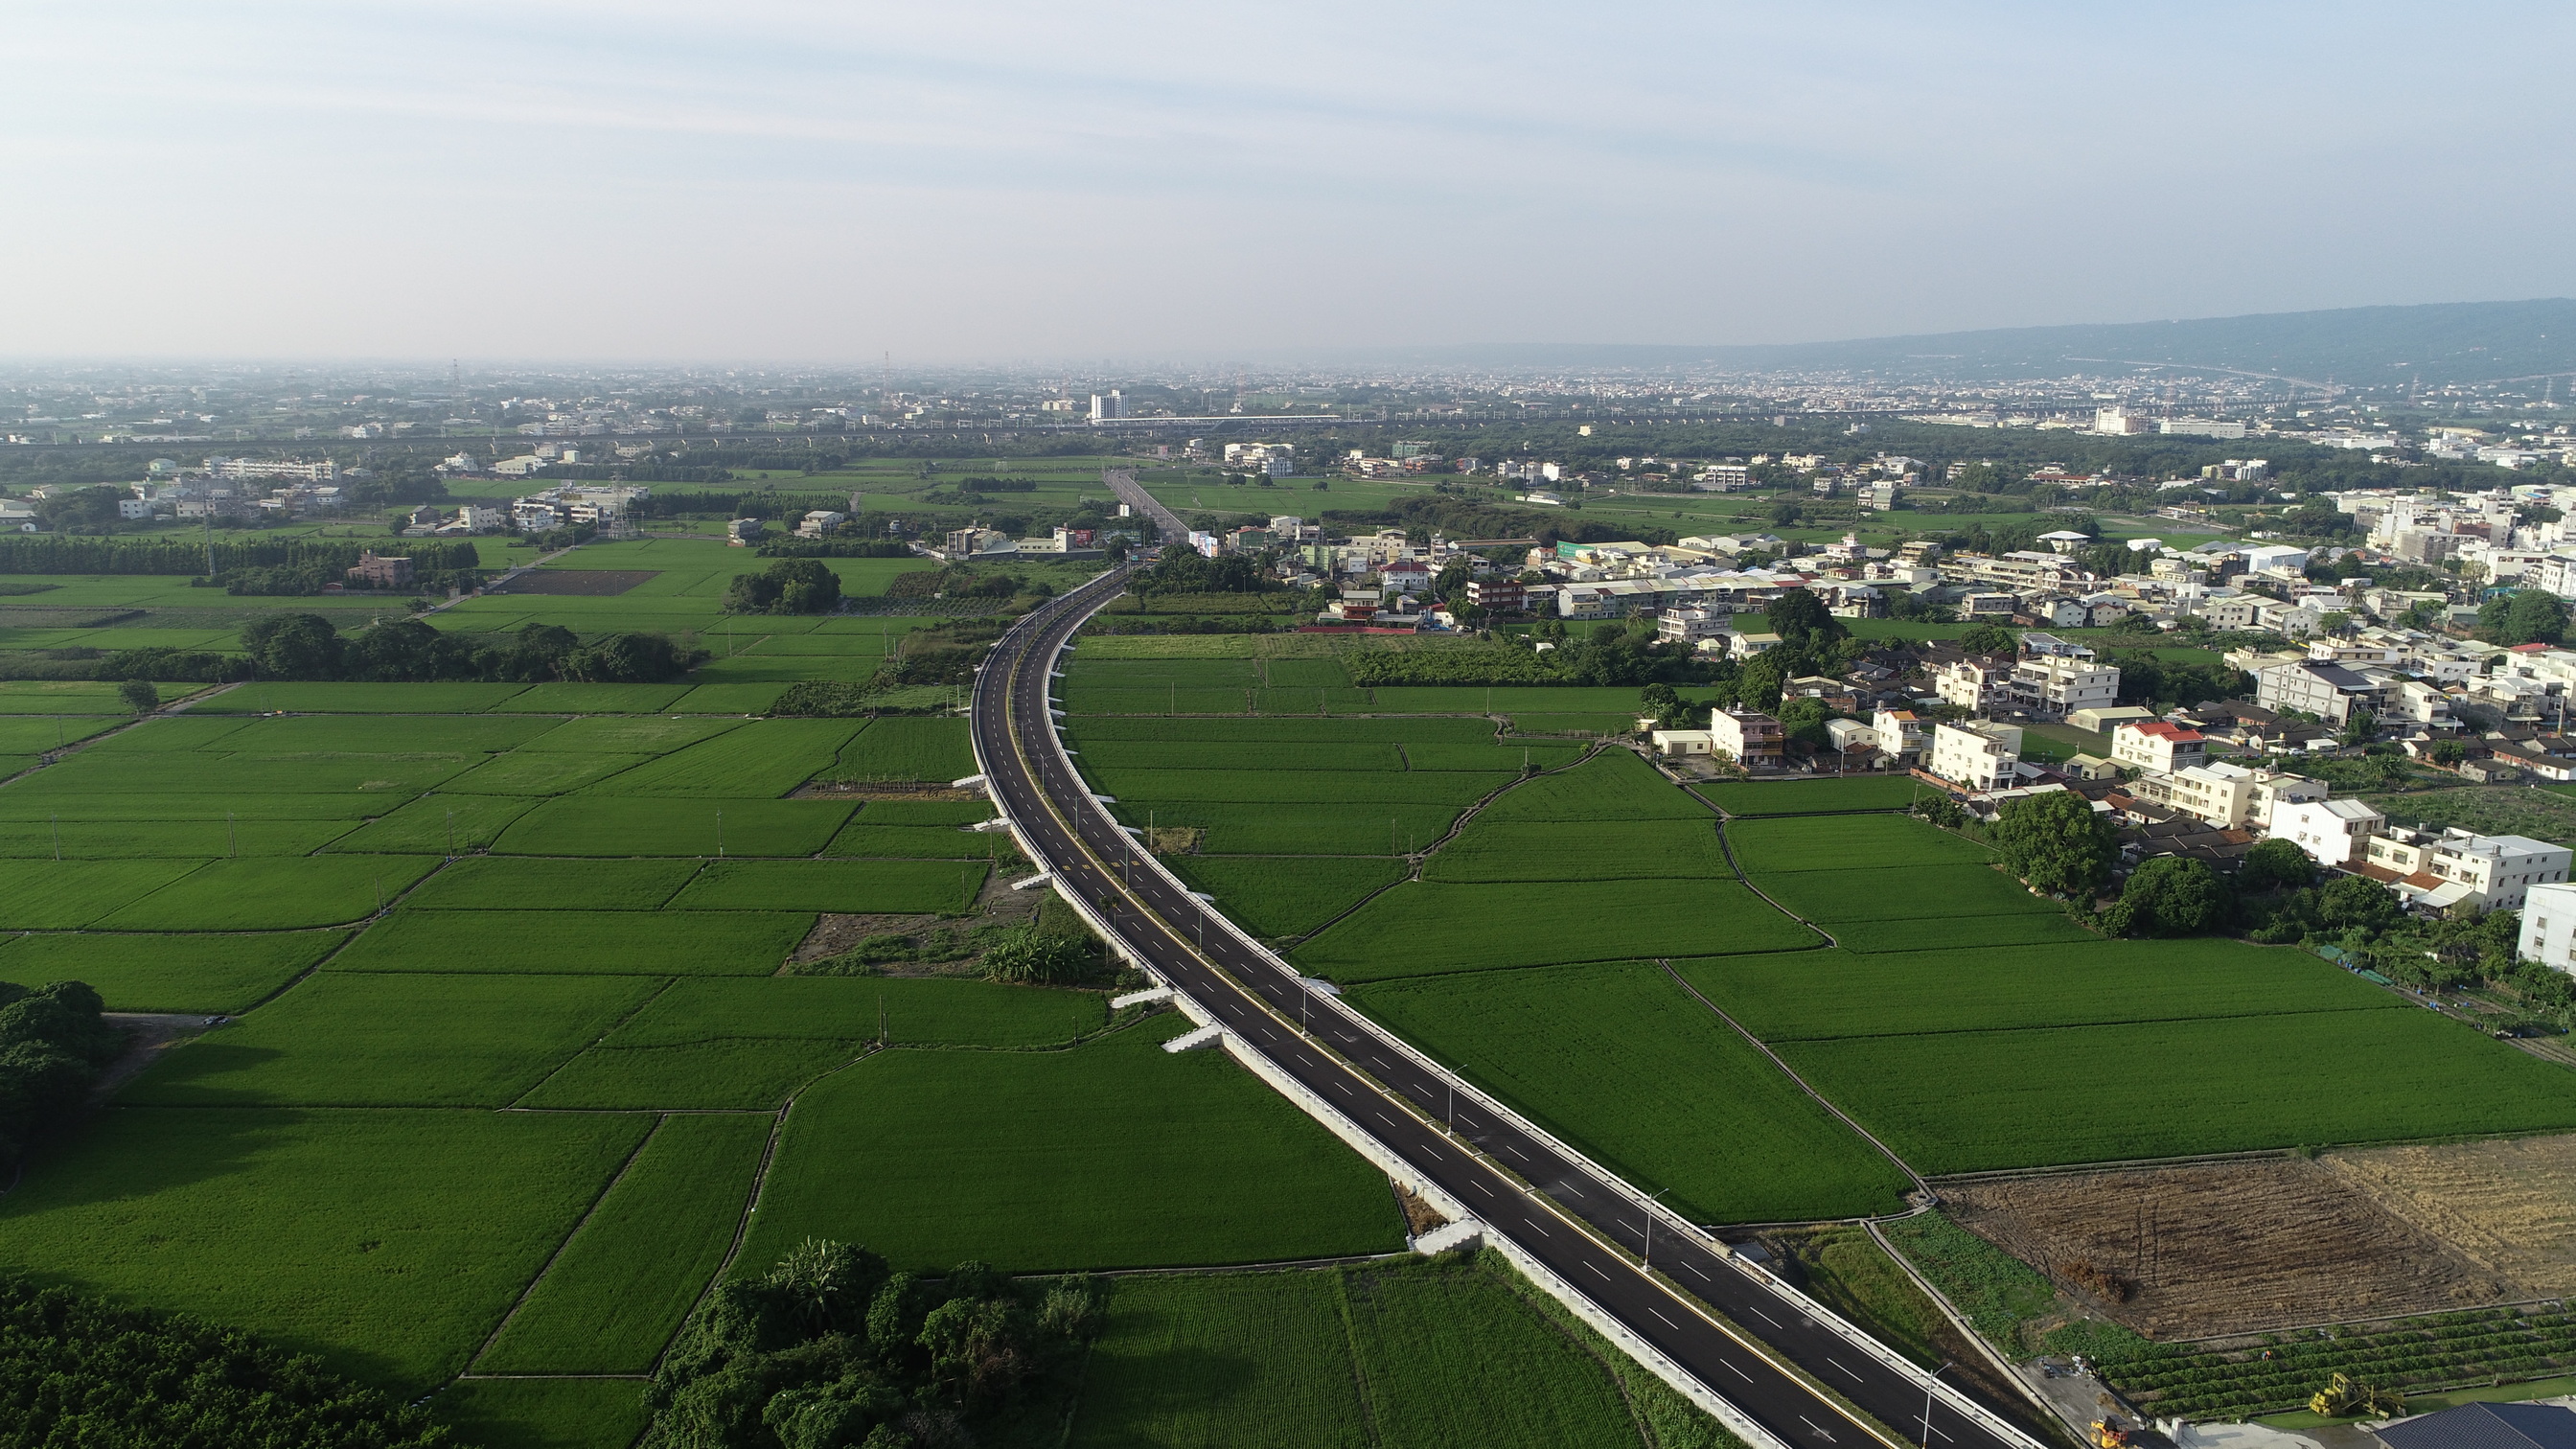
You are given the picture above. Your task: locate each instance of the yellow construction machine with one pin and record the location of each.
(2342, 1398)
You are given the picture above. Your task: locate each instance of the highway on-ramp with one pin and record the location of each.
(1787, 1368)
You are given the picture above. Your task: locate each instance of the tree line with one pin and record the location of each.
(77, 1371)
(308, 647)
(54, 553)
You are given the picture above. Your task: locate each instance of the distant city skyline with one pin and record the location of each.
(1017, 184)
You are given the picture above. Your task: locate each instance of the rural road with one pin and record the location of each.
(1558, 1210)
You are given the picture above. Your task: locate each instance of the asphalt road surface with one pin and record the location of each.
(1544, 1203)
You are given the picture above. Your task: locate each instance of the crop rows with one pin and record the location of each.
(2282, 1372)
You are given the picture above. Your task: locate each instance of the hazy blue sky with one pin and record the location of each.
(779, 181)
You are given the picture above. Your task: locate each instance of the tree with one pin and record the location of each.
(293, 646)
(1027, 955)
(2525, 616)
(1799, 618)
(2057, 843)
(2173, 895)
(2353, 901)
(788, 586)
(2449, 752)
(139, 695)
(2359, 726)
(1989, 639)
(1804, 719)
(2272, 864)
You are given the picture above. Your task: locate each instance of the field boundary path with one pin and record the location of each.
(1922, 1187)
(1770, 1363)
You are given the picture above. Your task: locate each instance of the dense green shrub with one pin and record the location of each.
(77, 1372)
(832, 1351)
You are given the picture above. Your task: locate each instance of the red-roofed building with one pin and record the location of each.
(2156, 745)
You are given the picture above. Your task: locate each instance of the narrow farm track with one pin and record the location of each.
(1777, 1368)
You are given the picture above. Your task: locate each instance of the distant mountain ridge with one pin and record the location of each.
(2441, 342)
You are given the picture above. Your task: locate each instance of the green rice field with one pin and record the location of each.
(1066, 1147)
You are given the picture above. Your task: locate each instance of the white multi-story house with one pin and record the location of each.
(2332, 832)
(1753, 739)
(2053, 686)
(2549, 925)
(2156, 745)
(1900, 732)
(1692, 625)
(1979, 755)
(1979, 686)
(2456, 867)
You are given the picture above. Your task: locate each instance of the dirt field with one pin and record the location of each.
(2510, 1207)
(2194, 1252)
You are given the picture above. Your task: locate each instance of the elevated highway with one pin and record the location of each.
(1776, 1367)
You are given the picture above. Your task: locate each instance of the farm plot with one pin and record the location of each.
(747, 1075)
(907, 749)
(1091, 700)
(515, 883)
(1945, 933)
(540, 772)
(1286, 895)
(563, 698)
(1822, 995)
(45, 696)
(1482, 755)
(865, 837)
(611, 826)
(889, 886)
(1456, 1357)
(306, 735)
(1768, 845)
(159, 733)
(1579, 850)
(83, 839)
(387, 1242)
(388, 777)
(543, 1413)
(1426, 1352)
(915, 1011)
(1087, 672)
(275, 893)
(22, 736)
(637, 735)
(1113, 1154)
(186, 972)
(1614, 722)
(272, 697)
(1620, 1061)
(2172, 1089)
(1612, 785)
(766, 758)
(778, 669)
(349, 1039)
(1262, 732)
(619, 1289)
(1426, 928)
(1349, 829)
(65, 895)
(738, 699)
(1508, 699)
(631, 943)
(1133, 757)
(28, 799)
(1815, 797)
(1322, 703)
(1924, 893)
(1299, 787)
(441, 824)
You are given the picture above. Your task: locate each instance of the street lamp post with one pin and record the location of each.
(1946, 1365)
(1650, 1225)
